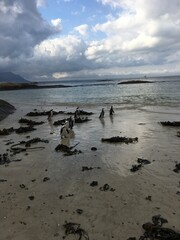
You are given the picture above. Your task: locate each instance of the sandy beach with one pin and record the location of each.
(46, 189)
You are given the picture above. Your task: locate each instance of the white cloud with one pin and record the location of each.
(82, 29)
(69, 47)
(145, 32)
(57, 23)
(41, 3)
(58, 75)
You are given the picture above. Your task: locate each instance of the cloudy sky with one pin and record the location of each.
(72, 39)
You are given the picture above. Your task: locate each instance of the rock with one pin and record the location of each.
(5, 109)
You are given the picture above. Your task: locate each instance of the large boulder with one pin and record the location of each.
(5, 109)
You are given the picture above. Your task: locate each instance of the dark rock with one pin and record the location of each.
(5, 109)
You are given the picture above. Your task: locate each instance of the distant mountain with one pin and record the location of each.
(11, 78)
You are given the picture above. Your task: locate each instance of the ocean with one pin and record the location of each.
(163, 94)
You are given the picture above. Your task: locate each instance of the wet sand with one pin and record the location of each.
(117, 214)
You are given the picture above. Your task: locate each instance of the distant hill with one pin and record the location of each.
(11, 78)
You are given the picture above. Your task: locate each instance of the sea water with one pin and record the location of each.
(158, 95)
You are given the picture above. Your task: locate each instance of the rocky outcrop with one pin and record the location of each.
(5, 109)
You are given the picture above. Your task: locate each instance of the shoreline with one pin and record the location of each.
(61, 189)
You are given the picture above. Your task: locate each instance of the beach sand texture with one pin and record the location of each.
(61, 189)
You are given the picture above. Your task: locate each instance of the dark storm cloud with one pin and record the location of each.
(21, 27)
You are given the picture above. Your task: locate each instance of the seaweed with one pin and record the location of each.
(155, 230)
(118, 139)
(171, 124)
(141, 162)
(30, 122)
(27, 144)
(6, 131)
(81, 120)
(67, 150)
(25, 129)
(43, 113)
(75, 228)
(60, 122)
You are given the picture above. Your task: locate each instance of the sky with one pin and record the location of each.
(89, 39)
